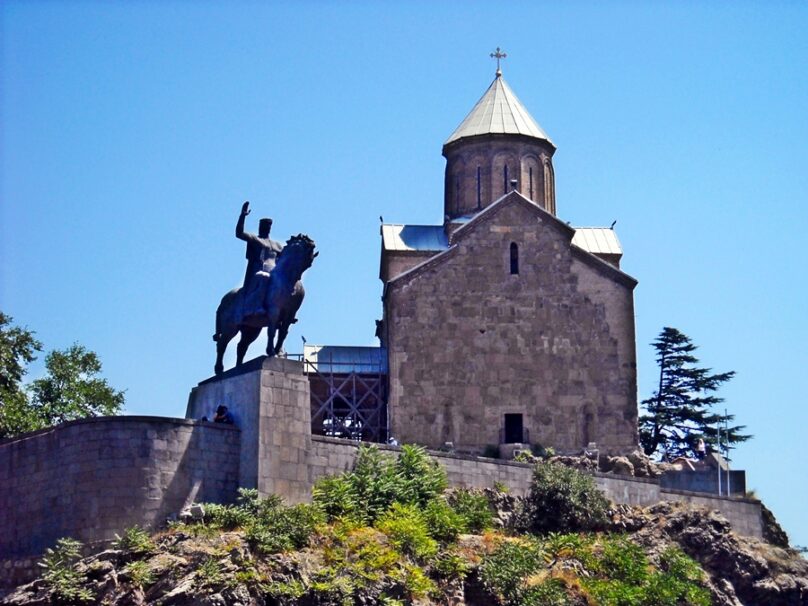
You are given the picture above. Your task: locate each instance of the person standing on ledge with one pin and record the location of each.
(261, 254)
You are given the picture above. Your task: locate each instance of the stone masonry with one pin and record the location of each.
(270, 401)
(332, 456)
(93, 478)
(468, 341)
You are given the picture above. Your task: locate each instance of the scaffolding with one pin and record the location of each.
(348, 391)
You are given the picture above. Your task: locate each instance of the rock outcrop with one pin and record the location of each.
(217, 570)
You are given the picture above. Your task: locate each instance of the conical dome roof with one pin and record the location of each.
(498, 111)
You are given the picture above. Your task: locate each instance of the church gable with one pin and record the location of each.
(525, 221)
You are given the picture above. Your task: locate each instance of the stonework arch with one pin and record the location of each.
(503, 168)
(549, 185)
(532, 180)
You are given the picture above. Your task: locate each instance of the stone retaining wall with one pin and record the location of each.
(91, 479)
(332, 456)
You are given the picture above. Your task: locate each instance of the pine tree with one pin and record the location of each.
(680, 410)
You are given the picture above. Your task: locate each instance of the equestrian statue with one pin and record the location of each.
(271, 294)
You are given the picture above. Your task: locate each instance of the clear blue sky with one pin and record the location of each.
(131, 133)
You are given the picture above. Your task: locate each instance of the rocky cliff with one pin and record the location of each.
(195, 564)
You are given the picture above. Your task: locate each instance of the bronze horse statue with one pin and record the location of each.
(282, 298)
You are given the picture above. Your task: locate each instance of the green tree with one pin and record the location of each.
(71, 388)
(680, 411)
(18, 348)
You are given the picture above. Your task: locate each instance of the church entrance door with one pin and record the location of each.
(513, 429)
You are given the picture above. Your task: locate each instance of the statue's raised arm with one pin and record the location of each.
(240, 233)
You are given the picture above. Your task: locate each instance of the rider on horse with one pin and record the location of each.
(261, 254)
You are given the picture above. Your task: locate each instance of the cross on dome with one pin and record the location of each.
(498, 55)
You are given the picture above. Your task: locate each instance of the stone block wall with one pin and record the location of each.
(93, 478)
(330, 456)
(271, 403)
(469, 342)
(705, 481)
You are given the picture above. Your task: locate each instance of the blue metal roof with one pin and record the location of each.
(341, 359)
(397, 237)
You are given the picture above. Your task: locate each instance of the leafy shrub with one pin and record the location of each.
(600, 569)
(678, 582)
(625, 577)
(504, 571)
(209, 573)
(473, 508)
(61, 574)
(135, 541)
(288, 592)
(249, 507)
(420, 478)
(406, 527)
(362, 563)
(226, 517)
(443, 521)
(140, 574)
(377, 481)
(562, 499)
(283, 528)
(449, 565)
(336, 496)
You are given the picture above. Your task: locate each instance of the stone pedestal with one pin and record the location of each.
(270, 402)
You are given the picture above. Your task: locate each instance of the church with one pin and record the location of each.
(502, 326)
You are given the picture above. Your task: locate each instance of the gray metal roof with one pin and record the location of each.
(498, 111)
(344, 359)
(414, 237)
(597, 240)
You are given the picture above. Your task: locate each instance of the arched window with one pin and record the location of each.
(514, 258)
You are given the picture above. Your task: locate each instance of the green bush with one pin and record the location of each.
(135, 541)
(281, 528)
(226, 517)
(209, 574)
(377, 481)
(336, 497)
(140, 574)
(61, 575)
(363, 565)
(420, 478)
(562, 499)
(406, 527)
(443, 521)
(679, 581)
(505, 570)
(473, 508)
(269, 526)
(623, 576)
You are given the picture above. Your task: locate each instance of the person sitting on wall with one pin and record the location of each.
(223, 416)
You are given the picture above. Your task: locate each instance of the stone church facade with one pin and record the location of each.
(505, 325)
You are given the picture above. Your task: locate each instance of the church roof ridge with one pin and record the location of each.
(499, 111)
